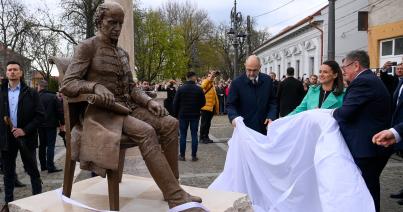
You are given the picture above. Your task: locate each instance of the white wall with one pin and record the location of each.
(382, 12)
(291, 47)
(347, 36)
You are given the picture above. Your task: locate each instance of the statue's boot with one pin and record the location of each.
(165, 179)
(171, 154)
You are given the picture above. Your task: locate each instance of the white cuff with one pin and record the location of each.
(396, 134)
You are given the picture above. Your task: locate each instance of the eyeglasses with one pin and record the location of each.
(344, 67)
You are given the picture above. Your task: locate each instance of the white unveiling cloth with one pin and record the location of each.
(303, 165)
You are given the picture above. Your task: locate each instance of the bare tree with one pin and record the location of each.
(43, 45)
(79, 16)
(195, 26)
(14, 24)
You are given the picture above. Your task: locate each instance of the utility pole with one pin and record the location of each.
(248, 34)
(331, 31)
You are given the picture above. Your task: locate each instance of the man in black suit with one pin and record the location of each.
(290, 93)
(395, 133)
(251, 97)
(365, 111)
(21, 114)
(54, 118)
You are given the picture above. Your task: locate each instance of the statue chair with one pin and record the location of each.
(114, 177)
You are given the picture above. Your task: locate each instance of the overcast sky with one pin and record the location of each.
(219, 10)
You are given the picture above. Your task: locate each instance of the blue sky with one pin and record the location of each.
(219, 10)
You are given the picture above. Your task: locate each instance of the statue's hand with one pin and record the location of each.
(157, 109)
(107, 97)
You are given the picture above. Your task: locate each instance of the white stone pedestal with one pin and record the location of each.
(136, 194)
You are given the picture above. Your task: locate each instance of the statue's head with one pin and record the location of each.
(109, 20)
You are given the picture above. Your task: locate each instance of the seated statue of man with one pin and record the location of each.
(102, 68)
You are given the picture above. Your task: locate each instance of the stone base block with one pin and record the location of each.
(136, 194)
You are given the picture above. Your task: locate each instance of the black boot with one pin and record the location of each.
(36, 185)
(398, 195)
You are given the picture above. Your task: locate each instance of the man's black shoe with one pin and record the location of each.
(207, 141)
(182, 158)
(18, 184)
(195, 158)
(44, 169)
(397, 195)
(54, 170)
(400, 202)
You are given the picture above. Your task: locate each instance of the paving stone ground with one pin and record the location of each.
(203, 172)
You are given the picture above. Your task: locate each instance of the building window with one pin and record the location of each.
(391, 50)
(311, 65)
(297, 67)
(387, 48)
(288, 64)
(398, 46)
(392, 47)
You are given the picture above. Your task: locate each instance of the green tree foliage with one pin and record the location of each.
(179, 37)
(159, 48)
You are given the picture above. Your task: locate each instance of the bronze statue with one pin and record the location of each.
(121, 109)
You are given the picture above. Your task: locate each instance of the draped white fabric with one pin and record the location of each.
(303, 165)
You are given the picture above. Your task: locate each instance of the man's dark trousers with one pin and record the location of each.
(371, 169)
(47, 140)
(183, 128)
(28, 157)
(205, 124)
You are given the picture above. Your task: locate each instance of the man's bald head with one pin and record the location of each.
(253, 59)
(252, 66)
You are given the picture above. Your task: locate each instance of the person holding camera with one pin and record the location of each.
(388, 77)
(210, 108)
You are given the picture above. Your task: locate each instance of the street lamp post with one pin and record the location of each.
(236, 35)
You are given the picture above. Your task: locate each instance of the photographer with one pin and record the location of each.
(210, 108)
(388, 76)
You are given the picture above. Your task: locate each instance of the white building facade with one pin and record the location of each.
(304, 44)
(298, 46)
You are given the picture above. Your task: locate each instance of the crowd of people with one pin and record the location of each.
(366, 105)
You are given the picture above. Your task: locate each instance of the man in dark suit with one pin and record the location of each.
(48, 130)
(290, 93)
(251, 97)
(395, 133)
(365, 111)
(21, 114)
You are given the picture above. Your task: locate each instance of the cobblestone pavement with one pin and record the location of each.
(203, 172)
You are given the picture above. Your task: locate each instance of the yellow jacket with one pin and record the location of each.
(211, 96)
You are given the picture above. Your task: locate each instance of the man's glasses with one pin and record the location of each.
(344, 67)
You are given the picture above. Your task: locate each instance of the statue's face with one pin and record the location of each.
(111, 24)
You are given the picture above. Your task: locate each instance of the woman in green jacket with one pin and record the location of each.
(329, 94)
